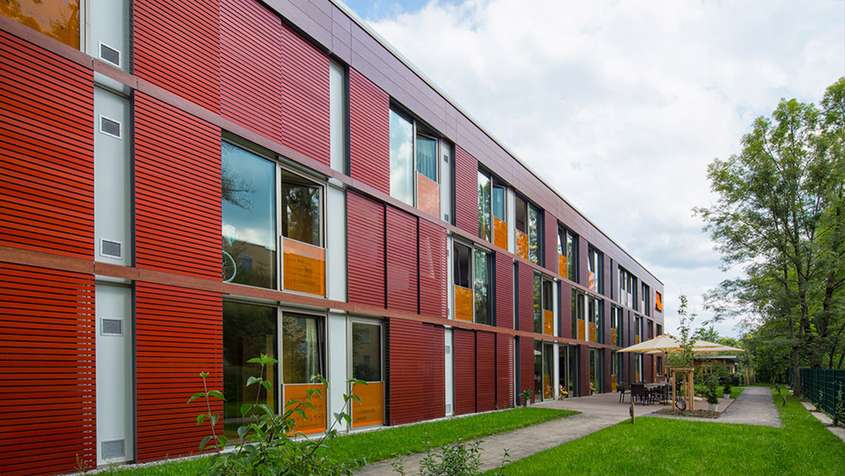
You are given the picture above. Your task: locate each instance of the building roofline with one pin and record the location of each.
(418, 72)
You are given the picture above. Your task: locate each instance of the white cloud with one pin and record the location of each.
(621, 105)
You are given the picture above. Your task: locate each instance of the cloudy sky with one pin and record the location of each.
(621, 105)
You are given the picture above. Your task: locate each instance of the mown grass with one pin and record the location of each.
(362, 448)
(657, 446)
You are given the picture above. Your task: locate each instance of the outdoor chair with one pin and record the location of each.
(639, 393)
(622, 390)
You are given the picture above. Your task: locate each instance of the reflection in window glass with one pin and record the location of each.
(427, 157)
(302, 348)
(548, 368)
(534, 225)
(484, 205)
(537, 291)
(366, 352)
(481, 286)
(401, 158)
(249, 218)
(572, 256)
(248, 331)
(521, 218)
(56, 18)
(499, 202)
(301, 203)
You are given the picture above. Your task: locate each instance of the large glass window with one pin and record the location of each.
(401, 158)
(538, 370)
(500, 222)
(472, 289)
(481, 286)
(616, 377)
(616, 326)
(594, 314)
(543, 294)
(579, 329)
(303, 351)
(535, 229)
(595, 371)
(485, 219)
(56, 18)
(368, 407)
(548, 369)
(304, 255)
(249, 330)
(567, 248)
(595, 265)
(428, 190)
(646, 299)
(567, 371)
(521, 227)
(537, 305)
(249, 218)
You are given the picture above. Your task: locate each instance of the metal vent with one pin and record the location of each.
(109, 126)
(448, 349)
(110, 54)
(448, 408)
(111, 327)
(111, 249)
(113, 449)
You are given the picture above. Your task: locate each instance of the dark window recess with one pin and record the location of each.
(521, 215)
(109, 126)
(110, 54)
(462, 265)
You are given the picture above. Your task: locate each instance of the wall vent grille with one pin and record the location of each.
(110, 54)
(111, 249)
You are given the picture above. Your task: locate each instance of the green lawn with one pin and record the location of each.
(657, 446)
(367, 447)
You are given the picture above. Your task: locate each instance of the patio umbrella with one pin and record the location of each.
(721, 348)
(667, 343)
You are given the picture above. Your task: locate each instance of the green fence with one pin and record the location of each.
(822, 387)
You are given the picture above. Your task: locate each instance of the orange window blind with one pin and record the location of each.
(594, 332)
(500, 233)
(368, 409)
(56, 18)
(612, 382)
(314, 406)
(522, 244)
(548, 322)
(658, 301)
(463, 303)
(428, 195)
(591, 280)
(304, 267)
(563, 266)
(613, 335)
(581, 329)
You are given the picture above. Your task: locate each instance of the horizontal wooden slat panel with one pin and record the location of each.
(433, 273)
(466, 191)
(504, 371)
(485, 378)
(402, 273)
(463, 345)
(366, 249)
(369, 144)
(47, 375)
(416, 371)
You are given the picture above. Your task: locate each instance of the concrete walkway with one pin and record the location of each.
(825, 420)
(597, 412)
(753, 407)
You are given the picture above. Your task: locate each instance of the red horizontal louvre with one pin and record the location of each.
(565, 315)
(369, 144)
(504, 371)
(47, 150)
(550, 224)
(365, 250)
(485, 371)
(504, 291)
(416, 371)
(466, 191)
(251, 66)
(177, 190)
(526, 366)
(463, 345)
(178, 335)
(305, 97)
(47, 377)
(402, 274)
(526, 298)
(432, 269)
(176, 45)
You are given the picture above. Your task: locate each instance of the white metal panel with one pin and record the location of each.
(511, 221)
(337, 115)
(114, 372)
(450, 298)
(112, 184)
(556, 307)
(336, 242)
(449, 376)
(446, 181)
(337, 364)
(108, 27)
(556, 371)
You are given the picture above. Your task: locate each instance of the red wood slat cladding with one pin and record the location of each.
(485, 371)
(552, 261)
(584, 363)
(582, 262)
(47, 389)
(606, 273)
(416, 371)
(365, 250)
(648, 369)
(466, 191)
(565, 316)
(369, 132)
(402, 273)
(526, 365)
(526, 298)
(432, 254)
(176, 45)
(463, 343)
(251, 66)
(608, 366)
(504, 371)
(178, 335)
(504, 291)
(47, 150)
(305, 97)
(177, 190)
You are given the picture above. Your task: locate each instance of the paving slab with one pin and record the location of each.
(597, 412)
(826, 421)
(753, 407)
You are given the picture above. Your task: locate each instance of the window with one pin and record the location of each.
(627, 288)
(543, 306)
(428, 190)
(617, 370)
(567, 248)
(249, 330)
(646, 299)
(500, 222)
(638, 374)
(56, 18)
(446, 172)
(548, 368)
(537, 307)
(485, 218)
(595, 270)
(521, 225)
(595, 371)
(659, 329)
(616, 325)
(567, 371)
(535, 229)
(472, 272)
(596, 324)
(401, 158)
(638, 329)
(578, 315)
(249, 218)
(338, 114)
(367, 366)
(303, 351)
(538, 370)
(304, 255)
(414, 170)
(658, 301)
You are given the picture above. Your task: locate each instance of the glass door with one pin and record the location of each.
(548, 370)
(366, 339)
(303, 370)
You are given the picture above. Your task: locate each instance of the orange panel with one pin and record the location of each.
(563, 267)
(463, 303)
(56, 18)
(658, 301)
(500, 233)
(428, 195)
(594, 332)
(369, 409)
(548, 322)
(613, 335)
(521, 244)
(612, 382)
(591, 280)
(314, 408)
(304, 267)
(636, 339)
(580, 329)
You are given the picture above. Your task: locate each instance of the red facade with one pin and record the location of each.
(504, 291)
(485, 375)
(432, 269)
(526, 298)
(365, 262)
(402, 274)
(464, 371)
(416, 373)
(369, 142)
(504, 371)
(466, 191)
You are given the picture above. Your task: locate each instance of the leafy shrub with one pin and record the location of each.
(460, 459)
(726, 388)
